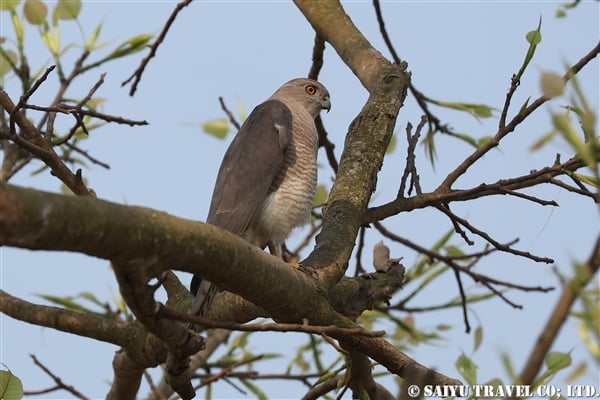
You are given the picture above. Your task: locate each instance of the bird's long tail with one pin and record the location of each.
(204, 293)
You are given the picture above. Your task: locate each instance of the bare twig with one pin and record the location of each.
(169, 313)
(317, 64)
(137, 75)
(317, 57)
(87, 155)
(60, 385)
(227, 370)
(487, 281)
(91, 113)
(410, 168)
(229, 114)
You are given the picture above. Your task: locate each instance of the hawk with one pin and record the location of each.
(267, 180)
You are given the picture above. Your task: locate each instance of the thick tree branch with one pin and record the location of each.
(96, 327)
(53, 222)
(366, 141)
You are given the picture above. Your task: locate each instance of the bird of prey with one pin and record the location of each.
(267, 180)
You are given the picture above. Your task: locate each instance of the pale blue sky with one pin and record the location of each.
(243, 51)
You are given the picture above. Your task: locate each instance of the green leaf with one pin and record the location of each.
(241, 111)
(476, 110)
(467, 369)
(35, 11)
(555, 361)
(260, 395)
(17, 26)
(130, 46)
(538, 144)
(477, 338)
(90, 43)
(453, 251)
(392, 144)
(585, 151)
(533, 38)
(524, 106)
(67, 9)
(483, 141)
(51, 39)
(91, 298)
(467, 138)
(321, 195)
(9, 4)
(8, 61)
(510, 370)
(577, 373)
(552, 84)
(218, 128)
(429, 144)
(590, 180)
(11, 387)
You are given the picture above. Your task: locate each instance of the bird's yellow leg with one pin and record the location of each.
(276, 249)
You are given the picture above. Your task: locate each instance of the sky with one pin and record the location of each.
(243, 51)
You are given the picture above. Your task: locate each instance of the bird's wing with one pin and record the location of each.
(251, 163)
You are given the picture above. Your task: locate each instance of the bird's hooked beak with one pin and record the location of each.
(326, 104)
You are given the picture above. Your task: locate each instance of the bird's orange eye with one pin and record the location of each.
(310, 89)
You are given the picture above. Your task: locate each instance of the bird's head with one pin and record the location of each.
(310, 93)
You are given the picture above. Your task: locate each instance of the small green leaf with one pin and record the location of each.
(216, 127)
(241, 111)
(538, 144)
(467, 138)
(321, 195)
(91, 41)
(453, 251)
(429, 144)
(67, 9)
(477, 338)
(35, 11)
(11, 387)
(9, 4)
(510, 370)
(130, 46)
(8, 61)
(552, 84)
(476, 110)
(577, 372)
(483, 141)
(590, 180)
(51, 39)
(524, 106)
(91, 297)
(260, 395)
(392, 144)
(588, 124)
(443, 327)
(467, 369)
(533, 38)
(17, 26)
(585, 151)
(555, 361)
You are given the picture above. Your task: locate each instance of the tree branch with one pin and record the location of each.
(560, 312)
(52, 222)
